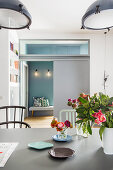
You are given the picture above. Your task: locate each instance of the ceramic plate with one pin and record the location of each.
(69, 138)
(40, 145)
(61, 152)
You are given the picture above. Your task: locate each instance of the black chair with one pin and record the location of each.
(20, 122)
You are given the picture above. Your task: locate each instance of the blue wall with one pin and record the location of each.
(41, 86)
(56, 49)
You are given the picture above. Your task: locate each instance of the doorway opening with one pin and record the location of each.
(37, 92)
(70, 60)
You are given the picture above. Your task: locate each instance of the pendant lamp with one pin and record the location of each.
(14, 15)
(99, 15)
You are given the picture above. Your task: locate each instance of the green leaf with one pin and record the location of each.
(80, 110)
(82, 100)
(89, 128)
(79, 121)
(110, 124)
(84, 128)
(101, 131)
(110, 108)
(110, 100)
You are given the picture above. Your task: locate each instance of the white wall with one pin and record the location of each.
(109, 64)
(4, 71)
(70, 79)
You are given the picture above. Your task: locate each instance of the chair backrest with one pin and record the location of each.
(15, 108)
(69, 115)
(21, 124)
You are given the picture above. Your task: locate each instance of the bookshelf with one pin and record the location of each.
(9, 90)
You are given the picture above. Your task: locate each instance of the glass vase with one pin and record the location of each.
(62, 134)
(80, 131)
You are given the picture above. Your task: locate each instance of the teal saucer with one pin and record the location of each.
(40, 145)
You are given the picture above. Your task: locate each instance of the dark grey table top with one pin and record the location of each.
(88, 152)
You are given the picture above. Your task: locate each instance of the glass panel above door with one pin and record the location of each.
(54, 47)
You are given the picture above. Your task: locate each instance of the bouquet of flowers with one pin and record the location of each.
(90, 110)
(105, 120)
(61, 127)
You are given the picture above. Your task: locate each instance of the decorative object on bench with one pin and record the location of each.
(40, 102)
(61, 127)
(37, 102)
(45, 102)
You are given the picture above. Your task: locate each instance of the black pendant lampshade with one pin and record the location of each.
(99, 15)
(14, 15)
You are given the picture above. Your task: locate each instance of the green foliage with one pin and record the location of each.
(79, 121)
(82, 100)
(109, 120)
(89, 128)
(88, 106)
(101, 131)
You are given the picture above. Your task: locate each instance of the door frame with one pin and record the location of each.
(23, 65)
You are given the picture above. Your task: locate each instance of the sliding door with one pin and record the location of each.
(70, 79)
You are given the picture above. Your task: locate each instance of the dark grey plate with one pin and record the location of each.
(61, 152)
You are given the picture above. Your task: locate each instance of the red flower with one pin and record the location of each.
(67, 123)
(54, 123)
(74, 101)
(59, 129)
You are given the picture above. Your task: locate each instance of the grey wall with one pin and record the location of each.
(70, 79)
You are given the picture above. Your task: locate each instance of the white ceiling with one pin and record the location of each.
(57, 16)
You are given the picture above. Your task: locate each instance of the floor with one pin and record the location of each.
(42, 122)
(39, 122)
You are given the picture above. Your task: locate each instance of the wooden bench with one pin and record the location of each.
(32, 109)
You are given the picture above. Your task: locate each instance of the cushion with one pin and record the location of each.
(40, 102)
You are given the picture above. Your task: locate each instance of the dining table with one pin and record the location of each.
(88, 155)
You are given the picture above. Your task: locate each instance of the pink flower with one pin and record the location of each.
(102, 118)
(100, 113)
(97, 121)
(96, 115)
(60, 125)
(69, 100)
(67, 123)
